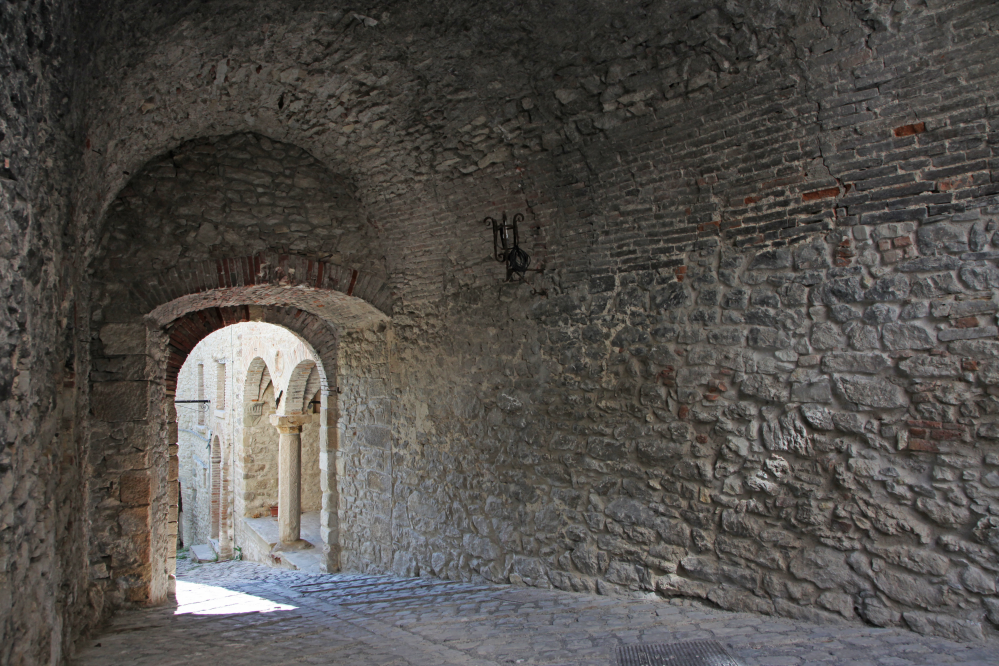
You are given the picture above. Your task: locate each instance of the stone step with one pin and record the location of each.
(203, 553)
(308, 561)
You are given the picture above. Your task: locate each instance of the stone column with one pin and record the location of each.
(290, 478)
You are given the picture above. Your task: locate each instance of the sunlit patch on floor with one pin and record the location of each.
(199, 599)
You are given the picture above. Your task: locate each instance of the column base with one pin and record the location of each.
(300, 544)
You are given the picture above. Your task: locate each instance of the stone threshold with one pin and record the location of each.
(263, 536)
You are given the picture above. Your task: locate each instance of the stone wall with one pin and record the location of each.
(43, 579)
(722, 368)
(365, 459)
(761, 374)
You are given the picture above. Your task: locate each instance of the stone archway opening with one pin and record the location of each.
(259, 489)
(242, 229)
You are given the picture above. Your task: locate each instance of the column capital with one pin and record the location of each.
(290, 423)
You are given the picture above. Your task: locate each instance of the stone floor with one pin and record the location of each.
(252, 615)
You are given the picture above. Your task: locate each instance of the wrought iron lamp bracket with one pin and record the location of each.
(506, 246)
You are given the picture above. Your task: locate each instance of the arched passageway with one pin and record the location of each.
(759, 368)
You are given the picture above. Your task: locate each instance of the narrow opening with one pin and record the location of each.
(220, 386)
(216, 486)
(202, 408)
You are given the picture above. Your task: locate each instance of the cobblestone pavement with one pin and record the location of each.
(252, 615)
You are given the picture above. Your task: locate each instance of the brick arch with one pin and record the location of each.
(343, 294)
(187, 331)
(297, 383)
(255, 374)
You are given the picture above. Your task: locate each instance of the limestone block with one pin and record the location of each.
(122, 339)
(906, 336)
(942, 237)
(120, 401)
(992, 610)
(978, 581)
(942, 625)
(944, 513)
(980, 278)
(869, 363)
(827, 336)
(134, 488)
(827, 568)
(819, 390)
(931, 366)
(875, 393)
(949, 334)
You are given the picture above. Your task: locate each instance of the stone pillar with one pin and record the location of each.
(329, 517)
(290, 478)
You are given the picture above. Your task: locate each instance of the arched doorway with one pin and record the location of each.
(269, 371)
(157, 293)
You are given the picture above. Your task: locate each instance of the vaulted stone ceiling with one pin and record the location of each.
(398, 93)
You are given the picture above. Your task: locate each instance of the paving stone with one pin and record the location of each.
(261, 616)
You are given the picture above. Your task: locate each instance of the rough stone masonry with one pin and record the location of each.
(760, 368)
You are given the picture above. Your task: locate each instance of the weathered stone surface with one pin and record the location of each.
(120, 401)
(819, 390)
(839, 290)
(992, 610)
(950, 334)
(915, 559)
(944, 513)
(670, 297)
(869, 363)
(826, 337)
(123, 339)
(942, 237)
(943, 262)
(907, 589)
(980, 277)
(771, 259)
(811, 255)
(818, 417)
(906, 336)
(891, 288)
(875, 611)
(880, 314)
(977, 581)
(931, 366)
(875, 393)
(941, 625)
(766, 387)
(978, 239)
(979, 349)
(827, 569)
